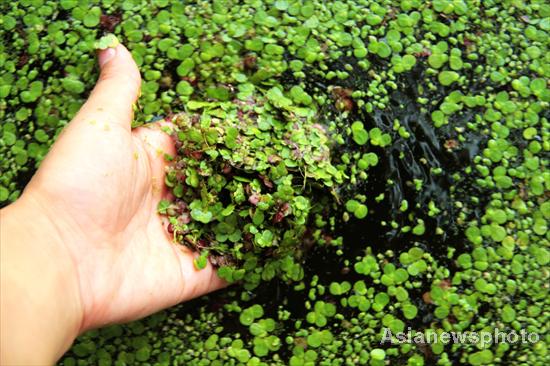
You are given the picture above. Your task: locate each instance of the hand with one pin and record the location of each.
(92, 206)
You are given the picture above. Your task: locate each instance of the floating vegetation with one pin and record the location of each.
(353, 166)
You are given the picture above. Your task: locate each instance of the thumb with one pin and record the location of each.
(116, 90)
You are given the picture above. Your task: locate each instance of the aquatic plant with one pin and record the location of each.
(409, 140)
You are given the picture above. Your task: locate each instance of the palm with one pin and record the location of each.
(107, 181)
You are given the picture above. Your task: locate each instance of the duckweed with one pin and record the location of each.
(352, 166)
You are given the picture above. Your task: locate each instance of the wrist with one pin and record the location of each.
(40, 288)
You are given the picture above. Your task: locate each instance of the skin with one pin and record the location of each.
(84, 246)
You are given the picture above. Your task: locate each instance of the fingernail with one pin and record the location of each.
(105, 56)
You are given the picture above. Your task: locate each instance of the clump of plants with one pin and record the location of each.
(355, 165)
(244, 181)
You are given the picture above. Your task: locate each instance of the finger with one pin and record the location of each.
(116, 90)
(196, 282)
(157, 144)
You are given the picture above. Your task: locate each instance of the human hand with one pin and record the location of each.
(95, 196)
